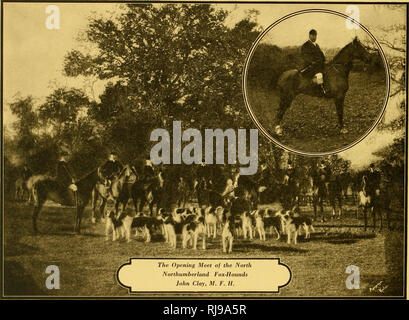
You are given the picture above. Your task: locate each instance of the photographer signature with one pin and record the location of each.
(379, 287)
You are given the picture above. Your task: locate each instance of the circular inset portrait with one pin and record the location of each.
(316, 82)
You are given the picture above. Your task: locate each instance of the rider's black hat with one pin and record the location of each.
(313, 31)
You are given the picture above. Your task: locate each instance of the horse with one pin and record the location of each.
(248, 190)
(373, 201)
(202, 192)
(289, 197)
(335, 190)
(149, 190)
(291, 83)
(118, 188)
(49, 188)
(182, 193)
(319, 193)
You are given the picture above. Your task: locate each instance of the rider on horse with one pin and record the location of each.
(373, 181)
(289, 173)
(324, 173)
(111, 168)
(314, 60)
(290, 194)
(64, 172)
(66, 179)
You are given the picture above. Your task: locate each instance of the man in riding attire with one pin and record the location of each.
(66, 180)
(373, 182)
(289, 173)
(111, 168)
(324, 173)
(321, 177)
(314, 60)
(263, 179)
(64, 173)
(148, 173)
(290, 185)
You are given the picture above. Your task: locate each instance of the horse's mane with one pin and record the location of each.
(340, 54)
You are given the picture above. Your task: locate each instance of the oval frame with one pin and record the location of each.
(265, 132)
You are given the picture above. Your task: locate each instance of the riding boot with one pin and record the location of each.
(323, 89)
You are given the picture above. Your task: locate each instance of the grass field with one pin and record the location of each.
(311, 124)
(88, 263)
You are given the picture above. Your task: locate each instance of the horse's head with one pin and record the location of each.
(359, 51)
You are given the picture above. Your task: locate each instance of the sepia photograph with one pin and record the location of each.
(204, 150)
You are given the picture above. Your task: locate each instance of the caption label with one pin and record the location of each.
(204, 275)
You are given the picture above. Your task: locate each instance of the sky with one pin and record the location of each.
(33, 55)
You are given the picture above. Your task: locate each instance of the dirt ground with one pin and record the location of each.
(311, 124)
(88, 263)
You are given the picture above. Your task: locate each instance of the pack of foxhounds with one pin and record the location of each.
(191, 225)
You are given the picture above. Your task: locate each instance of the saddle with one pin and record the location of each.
(315, 80)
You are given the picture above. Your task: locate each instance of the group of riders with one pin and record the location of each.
(214, 185)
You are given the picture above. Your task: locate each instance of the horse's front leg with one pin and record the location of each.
(373, 211)
(151, 208)
(141, 206)
(321, 203)
(102, 208)
(339, 105)
(365, 221)
(339, 207)
(78, 219)
(285, 101)
(314, 205)
(36, 211)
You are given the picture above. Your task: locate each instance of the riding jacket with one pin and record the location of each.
(111, 168)
(314, 59)
(373, 182)
(148, 173)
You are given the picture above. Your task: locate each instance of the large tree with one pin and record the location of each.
(166, 62)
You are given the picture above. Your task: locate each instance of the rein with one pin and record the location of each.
(85, 175)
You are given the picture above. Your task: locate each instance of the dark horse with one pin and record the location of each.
(373, 200)
(335, 188)
(289, 195)
(291, 83)
(319, 193)
(119, 190)
(148, 191)
(50, 189)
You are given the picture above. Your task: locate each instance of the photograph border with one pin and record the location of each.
(193, 295)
